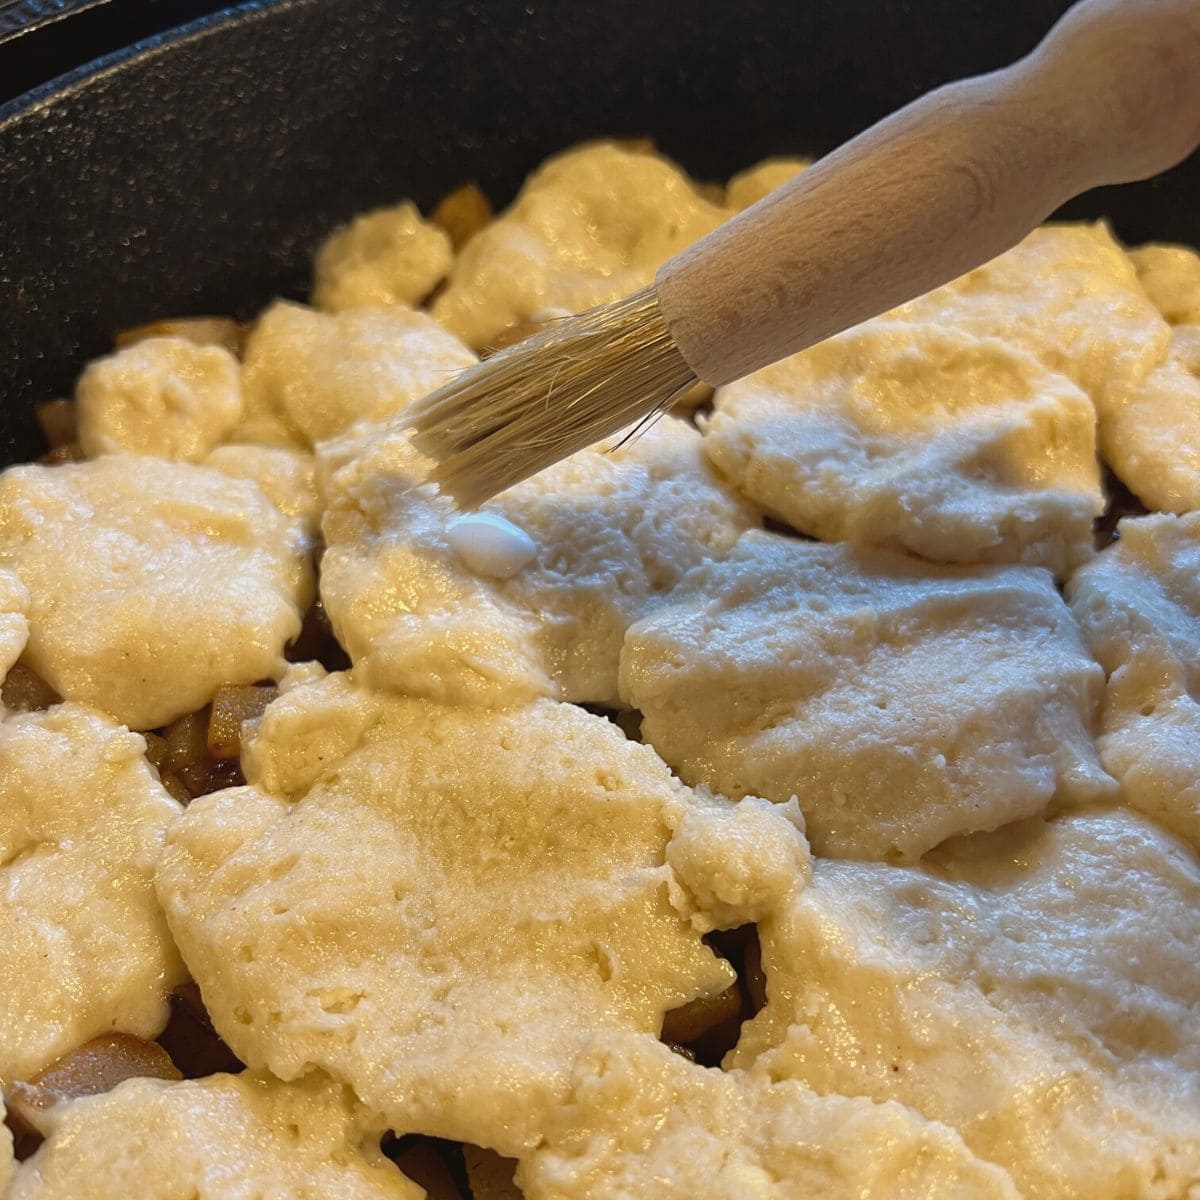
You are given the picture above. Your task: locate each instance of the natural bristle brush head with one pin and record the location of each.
(568, 386)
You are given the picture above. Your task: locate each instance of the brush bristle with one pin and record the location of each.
(582, 379)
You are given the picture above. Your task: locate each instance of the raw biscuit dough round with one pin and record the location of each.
(1037, 989)
(151, 582)
(84, 948)
(736, 863)
(901, 703)
(310, 375)
(1068, 295)
(215, 1138)
(388, 256)
(1171, 278)
(1154, 435)
(14, 622)
(614, 531)
(920, 438)
(7, 1162)
(751, 185)
(642, 1123)
(448, 904)
(165, 396)
(589, 226)
(287, 477)
(1138, 607)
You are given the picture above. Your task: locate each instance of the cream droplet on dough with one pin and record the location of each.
(490, 545)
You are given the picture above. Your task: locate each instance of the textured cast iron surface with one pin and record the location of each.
(196, 174)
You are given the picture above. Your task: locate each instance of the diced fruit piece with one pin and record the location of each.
(424, 1160)
(187, 740)
(59, 422)
(696, 1018)
(754, 977)
(317, 643)
(25, 690)
(462, 213)
(96, 1066)
(70, 452)
(231, 705)
(194, 1045)
(490, 1174)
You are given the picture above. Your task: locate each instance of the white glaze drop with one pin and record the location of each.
(490, 545)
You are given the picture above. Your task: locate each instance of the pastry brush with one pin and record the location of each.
(1111, 95)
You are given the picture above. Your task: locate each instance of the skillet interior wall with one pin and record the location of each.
(196, 172)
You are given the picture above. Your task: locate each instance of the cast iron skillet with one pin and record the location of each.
(195, 172)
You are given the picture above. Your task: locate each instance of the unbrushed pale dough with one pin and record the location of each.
(1068, 295)
(84, 948)
(7, 1162)
(736, 863)
(613, 530)
(1138, 606)
(165, 396)
(224, 1137)
(310, 375)
(642, 1123)
(901, 703)
(751, 185)
(440, 906)
(589, 226)
(1037, 989)
(921, 438)
(287, 477)
(1154, 434)
(388, 256)
(151, 582)
(14, 622)
(1171, 277)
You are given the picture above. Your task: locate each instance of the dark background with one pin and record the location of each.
(50, 44)
(197, 174)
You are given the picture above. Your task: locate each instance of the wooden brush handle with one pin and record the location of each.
(1111, 95)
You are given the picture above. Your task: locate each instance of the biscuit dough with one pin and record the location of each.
(165, 396)
(1138, 607)
(311, 375)
(14, 623)
(7, 1163)
(920, 438)
(215, 1138)
(151, 582)
(448, 902)
(388, 256)
(736, 863)
(1068, 295)
(613, 531)
(1154, 436)
(1037, 989)
(84, 948)
(751, 185)
(901, 703)
(643, 1123)
(1171, 278)
(287, 477)
(589, 226)
(446, 906)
